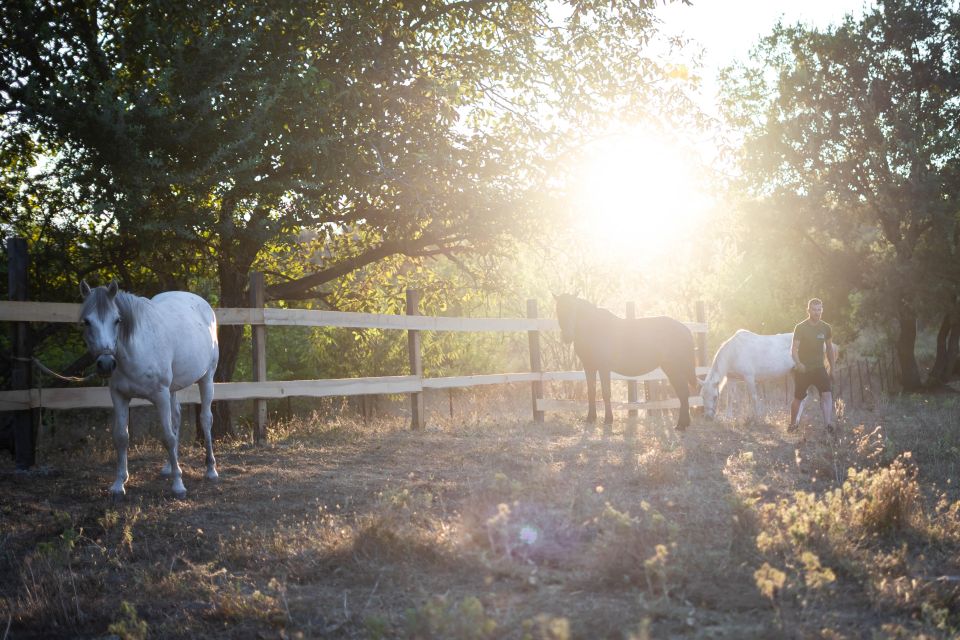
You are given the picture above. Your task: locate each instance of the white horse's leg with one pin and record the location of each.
(753, 412)
(121, 441)
(162, 402)
(175, 419)
(206, 422)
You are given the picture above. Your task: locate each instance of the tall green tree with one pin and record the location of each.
(851, 146)
(199, 137)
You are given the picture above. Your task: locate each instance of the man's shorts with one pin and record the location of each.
(811, 377)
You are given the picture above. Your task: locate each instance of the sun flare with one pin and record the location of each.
(639, 196)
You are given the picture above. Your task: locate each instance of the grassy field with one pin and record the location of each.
(489, 527)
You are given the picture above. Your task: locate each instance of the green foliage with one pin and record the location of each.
(634, 549)
(129, 626)
(850, 163)
(441, 618)
(546, 627)
(183, 146)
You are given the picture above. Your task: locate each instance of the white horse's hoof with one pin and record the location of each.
(180, 495)
(213, 475)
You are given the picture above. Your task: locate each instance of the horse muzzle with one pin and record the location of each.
(106, 365)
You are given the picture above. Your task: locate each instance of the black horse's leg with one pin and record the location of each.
(605, 391)
(591, 394)
(679, 384)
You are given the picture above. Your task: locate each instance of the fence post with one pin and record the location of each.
(860, 380)
(702, 339)
(632, 391)
(259, 351)
(24, 440)
(416, 362)
(533, 340)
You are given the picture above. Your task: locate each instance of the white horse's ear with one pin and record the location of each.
(112, 289)
(84, 289)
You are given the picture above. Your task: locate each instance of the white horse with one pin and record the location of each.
(150, 348)
(749, 356)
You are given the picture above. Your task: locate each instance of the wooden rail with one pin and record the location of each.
(99, 397)
(70, 312)
(262, 389)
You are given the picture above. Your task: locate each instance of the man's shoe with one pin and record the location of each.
(793, 427)
(831, 430)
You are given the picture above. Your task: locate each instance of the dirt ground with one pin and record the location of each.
(479, 526)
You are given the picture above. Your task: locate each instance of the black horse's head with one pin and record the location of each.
(567, 315)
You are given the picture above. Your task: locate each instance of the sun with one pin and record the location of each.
(639, 196)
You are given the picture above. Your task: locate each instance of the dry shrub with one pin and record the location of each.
(870, 503)
(440, 618)
(240, 603)
(658, 466)
(885, 500)
(50, 586)
(632, 550)
(529, 533)
(847, 528)
(377, 541)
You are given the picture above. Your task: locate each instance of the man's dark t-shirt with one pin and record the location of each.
(811, 337)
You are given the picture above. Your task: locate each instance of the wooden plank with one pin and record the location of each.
(39, 312)
(479, 380)
(99, 397)
(632, 385)
(417, 412)
(316, 388)
(656, 374)
(318, 318)
(70, 312)
(258, 351)
(533, 347)
(235, 316)
(550, 404)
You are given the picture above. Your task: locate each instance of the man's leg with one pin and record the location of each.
(794, 410)
(826, 406)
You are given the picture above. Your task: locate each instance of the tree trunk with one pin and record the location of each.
(232, 294)
(906, 342)
(942, 365)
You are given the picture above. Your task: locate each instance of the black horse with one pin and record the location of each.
(606, 343)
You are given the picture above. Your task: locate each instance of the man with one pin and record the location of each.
(811, 339)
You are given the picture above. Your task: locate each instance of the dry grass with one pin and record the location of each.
(488, 526)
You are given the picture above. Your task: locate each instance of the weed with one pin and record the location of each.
(440, 618)
(632, 549)
(546, 627)
(129, 626)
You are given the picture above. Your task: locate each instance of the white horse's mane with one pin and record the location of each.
(133, 309)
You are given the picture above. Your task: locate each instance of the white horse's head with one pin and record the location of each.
(101, 322)
(710, 393)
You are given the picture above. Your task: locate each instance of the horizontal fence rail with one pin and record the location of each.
(99, 397)
(70, 312)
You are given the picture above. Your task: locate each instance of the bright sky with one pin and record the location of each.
(729, 28)
(639, 195)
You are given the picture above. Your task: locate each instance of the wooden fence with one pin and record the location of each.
(414, 384)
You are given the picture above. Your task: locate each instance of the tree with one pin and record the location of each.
(205, 136)
(850, 140)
